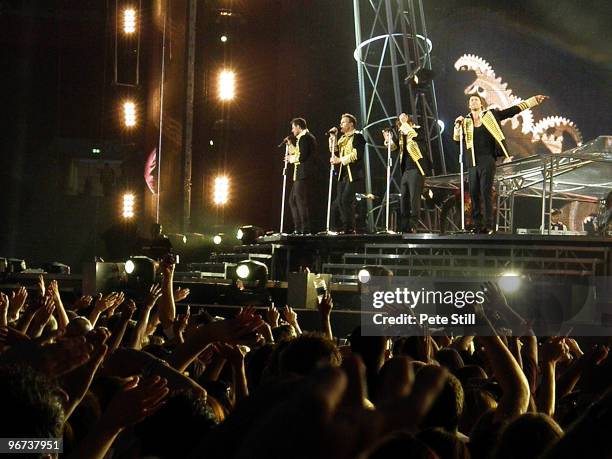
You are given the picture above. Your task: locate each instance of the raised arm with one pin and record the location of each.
(518, 108)
(167, 308)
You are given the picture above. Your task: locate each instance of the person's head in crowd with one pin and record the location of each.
(477, 402)
(307, 353)
(448, 407)
(445, 444)
(256, 362)
(485, 436)
(470, 374)
(528, 436)
(450, 359)
(371, 349)
(402, 444)
(172, 431)
(31, 405)
(555, 215)
(283, 332)
(78, 326)
(589, 436)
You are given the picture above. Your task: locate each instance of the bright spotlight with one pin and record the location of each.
(128, 206)
(129, 266)
(217, 239)
(363, 276)
(366, 273)
(129, 21)
(221, 190)
(243, 271)
(227, 85)
(129, 113)
(251, 271)
(223, 38)
(442, 126)
(248, 234)
(509, 282)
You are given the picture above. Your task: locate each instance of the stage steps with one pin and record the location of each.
(431, 259)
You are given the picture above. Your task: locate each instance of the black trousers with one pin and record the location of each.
(481, 191)
(411, 187)
(344, 204)
(298, 203)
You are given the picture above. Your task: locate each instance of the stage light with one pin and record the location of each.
(249, 234)
(128, 206)
(252, 270)
(129, 266)
(55, 267)
(211, 142)
(420, 78)
(221, 190)
(218, 238)
(365, 274)
(15, 265)
(243, 271)
(227, 85)
(442, 126)
(129, 113)
(129, 21)
(509, 282)
(223, 38)
(140, 270)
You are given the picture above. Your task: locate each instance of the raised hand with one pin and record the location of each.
(180, 324)
(136, 400)
(181, 293)
(118, 301)
(41, 317)
(155, 292)
(77, 382)
(230, 352)
(18, 299)
(4, 307)
(292, 318)
(54, 359)
(41, 285)
(82, 303)
(326, 305)
(272, 316)
(553, 350)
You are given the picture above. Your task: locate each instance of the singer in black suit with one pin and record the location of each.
(347, 154)
(485, 141)
(413, 167)
(302, 155)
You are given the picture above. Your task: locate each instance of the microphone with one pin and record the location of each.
(283, 143)
(333, 130)
(459, 122)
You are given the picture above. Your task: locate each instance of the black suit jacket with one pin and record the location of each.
(359, 144)
(308, 148)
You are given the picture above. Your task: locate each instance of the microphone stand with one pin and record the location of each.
(462, 197)
(282, 218)
(328, 230)
(388, 196)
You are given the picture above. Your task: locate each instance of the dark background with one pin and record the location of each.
(292, 58)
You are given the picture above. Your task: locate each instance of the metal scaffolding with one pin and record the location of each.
(391, 46)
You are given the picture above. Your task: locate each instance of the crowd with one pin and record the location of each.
(118, 379)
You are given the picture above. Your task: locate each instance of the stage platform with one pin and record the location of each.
(426, 254)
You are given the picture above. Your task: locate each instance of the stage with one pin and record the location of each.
(425, 254)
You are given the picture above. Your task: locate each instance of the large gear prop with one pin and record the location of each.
(551, 131)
